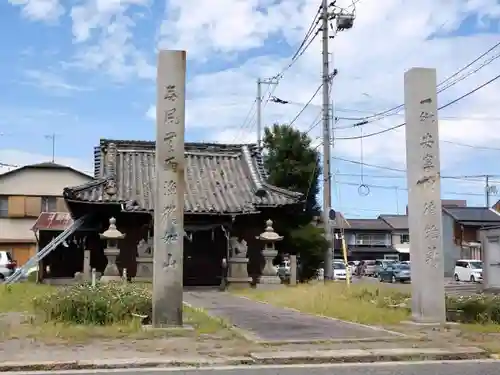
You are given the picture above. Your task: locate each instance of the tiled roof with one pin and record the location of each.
(45, 165)
(367, 224)
(219, 178)
(396, 221)
(477, 215)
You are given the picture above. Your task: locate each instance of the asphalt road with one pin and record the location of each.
(483, 367)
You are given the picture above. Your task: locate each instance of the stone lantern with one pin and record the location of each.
(111, 235)
(269, 237)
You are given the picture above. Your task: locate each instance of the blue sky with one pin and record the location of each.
(85, 70)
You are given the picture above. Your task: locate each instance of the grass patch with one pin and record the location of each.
(80, 313)
(18, 297)
(365, 304)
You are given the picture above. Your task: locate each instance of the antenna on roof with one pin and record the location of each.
(53, 138)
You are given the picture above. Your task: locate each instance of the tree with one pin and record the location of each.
(293, 164)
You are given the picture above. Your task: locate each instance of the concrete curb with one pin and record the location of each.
(369, 355)
(261, 358)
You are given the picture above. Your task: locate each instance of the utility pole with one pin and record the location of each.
(327, 178)
(270, 81)
(259, 112)
(487, 190)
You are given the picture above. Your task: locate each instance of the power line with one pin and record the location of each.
(306, 105)
(385, 113)
(442, 107)
(388, 187)
(304, 45)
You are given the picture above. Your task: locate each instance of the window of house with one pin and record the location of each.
(4, 206)
(49, 204)
(372, 239)
(404, 238)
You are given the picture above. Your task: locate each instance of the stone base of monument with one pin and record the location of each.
(167, 329)
(144, 269)
(107, 279)
(427, 324)
(239, 283)
(269, 280)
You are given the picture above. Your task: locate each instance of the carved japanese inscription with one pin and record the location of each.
(432, 235)
(430, 208)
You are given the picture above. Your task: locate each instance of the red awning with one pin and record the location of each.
(57, 221)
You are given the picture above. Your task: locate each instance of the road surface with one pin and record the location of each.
(479, 367)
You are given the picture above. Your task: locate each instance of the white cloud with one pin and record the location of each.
(40, 10)
(17, 158)
(51, 81)
(151, 113)
(388, 38)
(103, 29)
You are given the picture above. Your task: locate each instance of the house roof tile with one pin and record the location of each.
(367, 224)
(478, 215)
(219, 178)
(396, 221)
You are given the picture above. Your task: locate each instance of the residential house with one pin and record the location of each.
(226, 195)
(369, 239)
(24, 194)
(400, 234)
(461, 226)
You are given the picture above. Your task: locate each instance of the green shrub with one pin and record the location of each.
(33, 277)
(99, 305)
(474, 309)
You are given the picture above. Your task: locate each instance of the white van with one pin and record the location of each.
(469, 270)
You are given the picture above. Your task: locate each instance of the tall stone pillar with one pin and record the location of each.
(269, 237)
(112, 236)
(424, 198)
(170, 188)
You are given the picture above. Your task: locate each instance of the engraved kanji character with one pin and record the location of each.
(168, 140)
(424, 115)
(431, 232)
(170, 187)
(428, 160)
(427, 140)
(430, 208)
(168, 210)
(170, 93)
(429, 183)
(170, 117)
(431, 256)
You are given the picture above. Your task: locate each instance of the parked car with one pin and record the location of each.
(397, 272)
(381, 264)
(340, 271)
(369, 268)
(468, 270)
(7, 265)
(352, 266)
